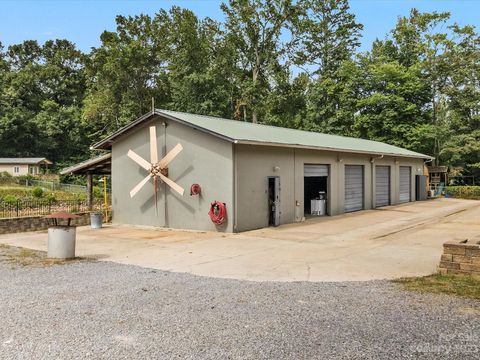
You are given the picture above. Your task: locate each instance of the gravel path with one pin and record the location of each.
(111, 311)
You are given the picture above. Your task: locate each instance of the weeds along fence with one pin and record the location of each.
(52, 185)
(37, 207)
(47, 185)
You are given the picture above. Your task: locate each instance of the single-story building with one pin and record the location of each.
(264, 175)
(24, 166)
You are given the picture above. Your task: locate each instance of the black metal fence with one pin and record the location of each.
(35, 207)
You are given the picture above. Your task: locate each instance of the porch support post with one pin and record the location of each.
(89, 190)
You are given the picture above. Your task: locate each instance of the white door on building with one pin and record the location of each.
(405, 184)
(354, 184)
(382, 186)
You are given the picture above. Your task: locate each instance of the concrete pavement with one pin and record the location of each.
(390, 242)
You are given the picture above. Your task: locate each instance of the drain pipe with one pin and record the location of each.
(372, 161)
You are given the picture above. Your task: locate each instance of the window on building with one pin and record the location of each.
(16, 169)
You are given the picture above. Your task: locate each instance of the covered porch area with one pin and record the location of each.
(100, 166)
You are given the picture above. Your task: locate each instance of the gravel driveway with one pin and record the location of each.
(112, 311)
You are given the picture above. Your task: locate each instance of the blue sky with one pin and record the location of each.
(83, 21)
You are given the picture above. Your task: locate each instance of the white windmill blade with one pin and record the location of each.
(137, 188)
(172, 184)
(170, 155)
(139, 160)
(153, 145)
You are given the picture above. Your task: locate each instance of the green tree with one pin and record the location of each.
(254, 29)
(125, 72)
(197, 77)
(325, 36)
(462, 147)
(36, 79)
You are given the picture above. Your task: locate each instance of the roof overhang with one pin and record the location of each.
(25, 161)
(323, 148)
(100, 165)
(108, 141)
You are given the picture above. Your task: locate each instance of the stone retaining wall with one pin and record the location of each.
(461, 257)
(35, 223)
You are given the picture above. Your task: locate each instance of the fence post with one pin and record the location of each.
(17, 207)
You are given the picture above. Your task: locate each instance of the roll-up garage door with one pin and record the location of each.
(382, 186)
(405, 184)
(353, 187)
(311, 170)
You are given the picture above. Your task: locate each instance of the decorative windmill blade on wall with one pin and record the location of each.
(157, 169)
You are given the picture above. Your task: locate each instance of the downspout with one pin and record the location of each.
(235, 184)
(372, 161)
(164, 184)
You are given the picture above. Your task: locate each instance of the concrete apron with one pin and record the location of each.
(391, 242)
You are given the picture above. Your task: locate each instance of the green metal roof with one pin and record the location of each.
(258, 134)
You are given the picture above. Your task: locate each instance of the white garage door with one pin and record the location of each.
(382, 186)
(311, 170)
(353, 187)
(405, 183)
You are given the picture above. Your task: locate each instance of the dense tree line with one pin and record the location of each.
(282, 62)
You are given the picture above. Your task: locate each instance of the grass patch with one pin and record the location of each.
(461, 285)
(21, 257)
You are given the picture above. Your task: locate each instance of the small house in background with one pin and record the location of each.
(438, 177)
(24, 166)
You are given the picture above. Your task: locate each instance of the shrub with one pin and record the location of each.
(23, 179)
(37, 192)
(97, 193)
(463, 192)
(10, 199)
(51, 198)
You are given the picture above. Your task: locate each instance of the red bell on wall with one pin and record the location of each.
(195, 189)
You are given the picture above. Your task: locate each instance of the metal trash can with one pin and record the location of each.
(322, 205)
(96, 220)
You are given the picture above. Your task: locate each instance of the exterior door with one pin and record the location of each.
(277, 201)
(354, 185)
(405, 184)
(313, 170)
(274, 200)
(382, 186)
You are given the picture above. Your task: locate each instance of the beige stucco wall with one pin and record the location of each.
(254, 164)
(23, 169)
(205, 160)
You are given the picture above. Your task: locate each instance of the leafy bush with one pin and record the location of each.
(5, 174)
(10, 199)
(463, 192)
(37, 192)
(51, 198)
(97, 192)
